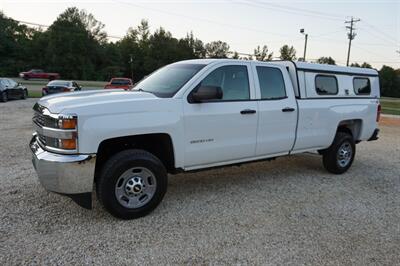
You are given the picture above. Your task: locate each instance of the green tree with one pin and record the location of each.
(261, 54)
(217, 49)
(326, 60)
(287, 53)
(363, 65)
(235, 55)
(197, 46)
(15, 40)
(366, 65)
(389, 80)
(74, 48)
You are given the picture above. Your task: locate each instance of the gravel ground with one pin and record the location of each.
(288, 211)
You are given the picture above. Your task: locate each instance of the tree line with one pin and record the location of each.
(76, 46)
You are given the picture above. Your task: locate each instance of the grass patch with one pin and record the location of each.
(43, 82)
(390, 106)
(34, 94)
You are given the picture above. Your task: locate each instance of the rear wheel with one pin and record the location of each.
(132, 183)
(339, 156)
(4, 97)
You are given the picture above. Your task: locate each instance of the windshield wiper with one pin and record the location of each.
(142, 90)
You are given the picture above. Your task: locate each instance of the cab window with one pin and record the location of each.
(271, 82)
(233, 80)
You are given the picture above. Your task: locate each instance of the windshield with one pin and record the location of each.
(166, 81)
(59, 83)
(120, 82)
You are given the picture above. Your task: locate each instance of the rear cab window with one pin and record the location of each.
(272, 84)
(326, 85)
(362, 86)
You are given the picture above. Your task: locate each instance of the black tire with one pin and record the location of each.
(3, 97)
(119, 164)
(24, 95)
(330, 156)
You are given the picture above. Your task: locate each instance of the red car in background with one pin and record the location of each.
(119, 83)
(38, 74)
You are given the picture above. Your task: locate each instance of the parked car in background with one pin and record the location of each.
(119, 83)
(57, 86)
(38, 74)
(9, 89)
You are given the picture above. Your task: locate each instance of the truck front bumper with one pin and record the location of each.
(70, 175)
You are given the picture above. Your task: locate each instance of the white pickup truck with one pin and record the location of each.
(194, 115)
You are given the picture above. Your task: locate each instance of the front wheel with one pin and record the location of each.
(3, 97)
(339, 156)
(132, 183)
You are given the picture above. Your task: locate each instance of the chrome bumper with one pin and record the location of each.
(72, 175)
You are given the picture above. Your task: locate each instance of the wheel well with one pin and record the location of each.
(353, 127)
(160, 145)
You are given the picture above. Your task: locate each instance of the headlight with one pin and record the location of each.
(67, 123)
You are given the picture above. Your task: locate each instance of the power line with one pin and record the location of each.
(213, 22)
(379, 36)
(280, 8)
(372, 52)
(387, 36)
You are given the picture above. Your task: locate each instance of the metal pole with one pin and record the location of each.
(131, 61)
(305, 47)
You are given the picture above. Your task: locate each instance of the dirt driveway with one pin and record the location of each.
(288, 211)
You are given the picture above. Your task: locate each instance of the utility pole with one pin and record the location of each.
(350, 35)
(131, 61)
(305, 43)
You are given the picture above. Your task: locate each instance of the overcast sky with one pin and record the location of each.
(244, 24)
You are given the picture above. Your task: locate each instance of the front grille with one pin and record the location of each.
(42, 139)
(39, 119)
(43, 120)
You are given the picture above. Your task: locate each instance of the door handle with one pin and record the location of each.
(247, 111)
(288, 109)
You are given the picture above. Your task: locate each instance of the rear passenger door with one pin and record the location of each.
(277, 110)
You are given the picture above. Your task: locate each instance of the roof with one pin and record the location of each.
(334, 68)
(299, 65)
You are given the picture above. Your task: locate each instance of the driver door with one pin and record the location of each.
(221, 131)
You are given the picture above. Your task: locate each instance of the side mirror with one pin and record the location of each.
(206, 93)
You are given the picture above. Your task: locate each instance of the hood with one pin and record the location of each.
(70, 100)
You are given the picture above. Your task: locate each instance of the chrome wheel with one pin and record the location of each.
(135, 187)
(344, 154)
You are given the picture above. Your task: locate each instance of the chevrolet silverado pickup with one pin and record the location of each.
(198, 114)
